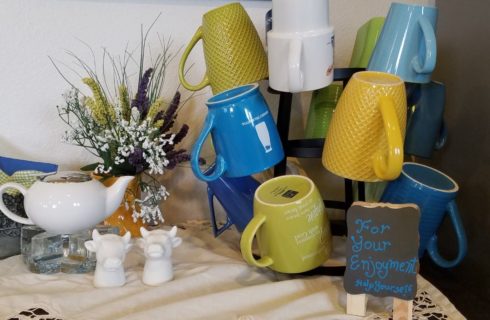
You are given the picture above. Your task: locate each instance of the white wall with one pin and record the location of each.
(30, 88)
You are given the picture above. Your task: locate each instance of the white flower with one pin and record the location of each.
(101, 169)
(120, 140)
(135, 116)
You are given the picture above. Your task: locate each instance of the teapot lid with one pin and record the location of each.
(67, 177)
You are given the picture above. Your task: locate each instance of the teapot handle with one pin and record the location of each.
(7, 212)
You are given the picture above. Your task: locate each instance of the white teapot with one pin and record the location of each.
(67, 202)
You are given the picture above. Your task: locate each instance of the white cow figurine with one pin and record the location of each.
(158, 245)
(110, 252)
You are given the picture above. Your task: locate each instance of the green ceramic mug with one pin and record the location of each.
(322, 107)
(366, 38)
(291, 225)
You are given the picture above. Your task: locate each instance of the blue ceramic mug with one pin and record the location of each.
(244, 134)
(426, 130)
(407, 44)
(435, 194)
(236, 196)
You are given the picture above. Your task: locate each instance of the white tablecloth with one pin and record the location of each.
(211, 282)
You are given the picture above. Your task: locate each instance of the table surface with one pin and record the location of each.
(211, 281)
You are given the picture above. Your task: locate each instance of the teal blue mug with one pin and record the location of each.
(426, 130)
(435, 194)
(244, 134)
(406, 46)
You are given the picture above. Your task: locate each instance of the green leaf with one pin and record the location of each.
(90, 167)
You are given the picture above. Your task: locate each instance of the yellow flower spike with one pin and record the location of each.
(96, 114)
(124, 101)
(158, 124)
(101, 108)
(155, 107)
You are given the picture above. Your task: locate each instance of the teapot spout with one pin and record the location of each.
(115, 194)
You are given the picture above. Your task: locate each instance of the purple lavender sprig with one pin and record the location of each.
(137, 160)
(141, 100)
(169, 115)
(181, 134)
(177, 156)
(177, 139)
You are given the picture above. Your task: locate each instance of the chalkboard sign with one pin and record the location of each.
(382, 250)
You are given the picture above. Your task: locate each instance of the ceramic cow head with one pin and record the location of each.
(159, 243)
(110, 249)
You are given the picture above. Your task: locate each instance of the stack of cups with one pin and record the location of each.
(245, 136)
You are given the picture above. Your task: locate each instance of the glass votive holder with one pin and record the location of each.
(49, 253)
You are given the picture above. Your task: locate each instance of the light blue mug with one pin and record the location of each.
(435, 194)
(426, 130)
(244, 134)
(407, 44)
(236, 196)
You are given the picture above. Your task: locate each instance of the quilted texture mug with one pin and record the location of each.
(233, 51)
(365, 137)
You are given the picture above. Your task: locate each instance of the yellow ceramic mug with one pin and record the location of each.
(291, 225)
(365, 137)
(233, 51)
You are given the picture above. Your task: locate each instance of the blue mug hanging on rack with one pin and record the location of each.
(426, 129)
(236, 196)
(407, 45)
(435, 194)
(244, 134)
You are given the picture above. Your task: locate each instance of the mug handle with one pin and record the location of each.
(196, 151)
(205, 81)
(216, 231)
(5, 210)
(432, 249)
(430, 48)
(390, 168)
(441, 141)
(294, 63)
(247, 240)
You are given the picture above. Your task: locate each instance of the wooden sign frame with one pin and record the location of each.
(382, 247)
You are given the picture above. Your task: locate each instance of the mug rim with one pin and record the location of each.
(453, 190)
(414, 5)
(232, 4)
(396, 80)
(216, 99)
(310, 191)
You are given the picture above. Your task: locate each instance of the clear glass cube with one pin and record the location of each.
(48, 253)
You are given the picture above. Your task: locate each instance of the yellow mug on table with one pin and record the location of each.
(365, 137)
(233, 51)
(291, 225)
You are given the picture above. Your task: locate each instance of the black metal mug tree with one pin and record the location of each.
(313, 148)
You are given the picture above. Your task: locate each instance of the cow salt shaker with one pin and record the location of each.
(110, 252)
(158, 245)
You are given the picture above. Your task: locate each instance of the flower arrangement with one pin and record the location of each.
(132, 134)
